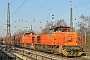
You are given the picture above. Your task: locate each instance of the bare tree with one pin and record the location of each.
(60, 22)
(51, 24)
(84, 27)
(84, 24)
(47, 27)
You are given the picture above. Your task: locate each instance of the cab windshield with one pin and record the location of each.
(27, 34)
(61, 30)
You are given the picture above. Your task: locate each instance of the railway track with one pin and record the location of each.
(37, 55)
(5, 55)
(26, 54)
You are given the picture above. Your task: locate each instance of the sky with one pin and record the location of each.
(24, 13)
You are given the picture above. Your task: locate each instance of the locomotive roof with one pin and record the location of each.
(59, 27)
(29, 32)
(62, 27)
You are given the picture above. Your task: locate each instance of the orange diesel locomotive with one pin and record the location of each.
(59, 40)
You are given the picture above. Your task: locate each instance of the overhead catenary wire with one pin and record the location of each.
(5, 13)
(62, 13)
(37, 9)
(76, 6)
(4, 19)
(12, 2)
(66, 10)
(19, 7)
(81, 4)
(73, 7)
(41, 12)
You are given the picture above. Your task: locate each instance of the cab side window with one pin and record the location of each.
(50, 32)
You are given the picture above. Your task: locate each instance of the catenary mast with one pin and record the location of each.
(8, 26)
(71, 19)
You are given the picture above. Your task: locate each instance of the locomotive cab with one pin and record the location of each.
(27, 40)
(59, 29)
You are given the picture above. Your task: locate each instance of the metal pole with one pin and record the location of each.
(8, 26)
(71, 20)
(85, 32)
(84, 22)
(31, 28)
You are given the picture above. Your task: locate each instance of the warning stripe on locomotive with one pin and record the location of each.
(79, 53)
(64, 52)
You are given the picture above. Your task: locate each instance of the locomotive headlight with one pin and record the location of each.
(76, 43)
(69, 38)
(65, 43)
